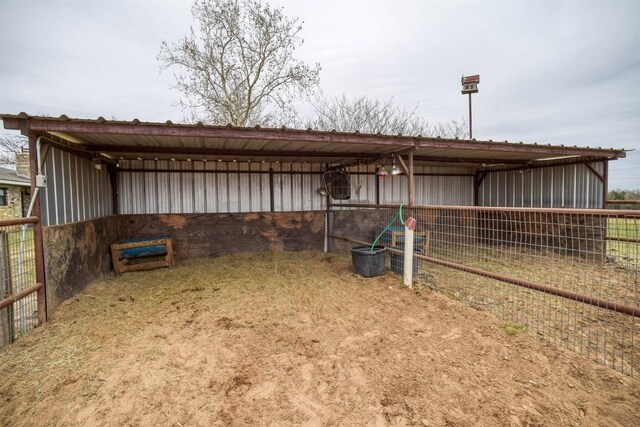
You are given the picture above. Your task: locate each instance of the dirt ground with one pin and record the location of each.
(605, 336)
(294, 339)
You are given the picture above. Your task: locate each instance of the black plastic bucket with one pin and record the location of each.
(367, 262)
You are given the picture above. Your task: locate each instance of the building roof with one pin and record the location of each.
(11, 177)
(134, 139)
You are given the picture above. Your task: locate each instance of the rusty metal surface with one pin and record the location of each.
(20, 295)
(586, 299)
(18, 221)
(108, 135)
(38, 247)
(616, 213)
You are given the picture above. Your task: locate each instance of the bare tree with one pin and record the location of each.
(369, 115)
(9, 146)
(237, 65)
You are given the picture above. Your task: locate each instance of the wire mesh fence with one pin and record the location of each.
(569, 276)
(17, 276)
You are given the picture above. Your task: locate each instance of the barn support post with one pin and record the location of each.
(329, 228)
(605, 183)
(272, 204)
(326, 225)
(377, 178)
(113, 179)
(478, 177)
(605, 196)
(37, 233)
(411, 180)
(408, 170)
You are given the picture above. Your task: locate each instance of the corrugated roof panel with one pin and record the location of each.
(181, 136)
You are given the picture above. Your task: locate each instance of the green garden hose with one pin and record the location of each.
(397, 215)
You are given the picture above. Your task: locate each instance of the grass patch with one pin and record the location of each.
(624, 253)
(514, 328)
(449, 294)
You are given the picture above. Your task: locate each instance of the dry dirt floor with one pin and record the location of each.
(294, 339)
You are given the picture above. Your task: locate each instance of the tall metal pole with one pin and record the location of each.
(470, 119)
(469, 86)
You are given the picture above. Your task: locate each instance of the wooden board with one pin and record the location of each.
(147, 263)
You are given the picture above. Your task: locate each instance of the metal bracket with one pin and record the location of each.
(595, 172)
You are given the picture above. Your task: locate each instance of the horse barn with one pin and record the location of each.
(518, 232)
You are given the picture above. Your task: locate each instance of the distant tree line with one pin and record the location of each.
(618, 194)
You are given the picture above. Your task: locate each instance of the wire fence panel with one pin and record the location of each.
(570, 276)
(17, 275)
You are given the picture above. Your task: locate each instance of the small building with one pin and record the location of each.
(225, 189)
(15, 188)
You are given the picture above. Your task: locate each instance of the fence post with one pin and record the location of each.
(6, 288)
(37, 233)
(408, 256)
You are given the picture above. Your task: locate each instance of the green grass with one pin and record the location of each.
(623, 252)
(514, 328)
(623, 227)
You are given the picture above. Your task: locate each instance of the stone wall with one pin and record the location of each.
(79, 253)
(210, 235)
(13, 209)
(581, 235)
(75, 255)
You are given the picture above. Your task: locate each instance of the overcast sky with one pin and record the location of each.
(555, 72)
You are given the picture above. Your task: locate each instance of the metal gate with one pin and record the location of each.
(22, 291)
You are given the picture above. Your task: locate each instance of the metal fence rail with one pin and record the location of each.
(21, 297)
(570, 276)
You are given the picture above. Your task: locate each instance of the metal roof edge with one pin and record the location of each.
(12, 121)
(16, 183)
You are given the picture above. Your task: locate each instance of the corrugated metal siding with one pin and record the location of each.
(236, 189)
(429, 190)
(569, 186)
(76, 191)
(443, 190)
(230, 187)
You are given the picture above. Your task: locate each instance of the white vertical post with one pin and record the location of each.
(408, 257)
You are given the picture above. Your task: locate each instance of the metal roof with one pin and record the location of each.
(11, 177)
(151, 140)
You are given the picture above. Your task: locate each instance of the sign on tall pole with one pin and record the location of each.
(469, 86)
